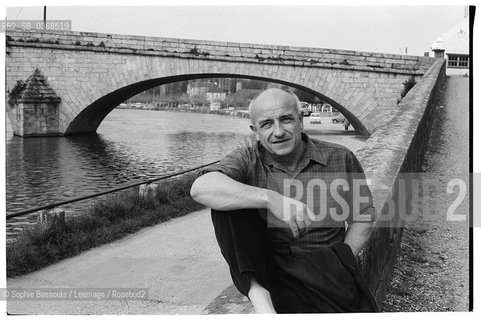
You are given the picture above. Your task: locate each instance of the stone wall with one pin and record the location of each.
(397, 147)
(36, 119)
(92, 73)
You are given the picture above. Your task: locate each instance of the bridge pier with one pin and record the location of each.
(35, 107)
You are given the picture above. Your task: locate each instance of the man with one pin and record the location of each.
(279, 212)
(346, 124)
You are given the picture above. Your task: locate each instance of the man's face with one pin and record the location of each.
(277, 124)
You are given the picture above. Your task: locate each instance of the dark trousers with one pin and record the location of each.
(324, 280)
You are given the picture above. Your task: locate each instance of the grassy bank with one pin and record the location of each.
(109, 219)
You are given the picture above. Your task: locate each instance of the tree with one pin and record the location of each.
(178, 87)
(408, 85)
(199, 99)
(306, 96)
(235, 101)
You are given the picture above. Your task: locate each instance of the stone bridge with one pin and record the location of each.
(89, 74)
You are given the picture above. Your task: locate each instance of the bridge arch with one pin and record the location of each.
(90, 118)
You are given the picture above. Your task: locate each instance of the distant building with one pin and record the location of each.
(453, 45)
(215, 94)
(244, 96)
(209, 90)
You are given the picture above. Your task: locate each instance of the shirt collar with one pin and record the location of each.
(310, 153)
(313, 152)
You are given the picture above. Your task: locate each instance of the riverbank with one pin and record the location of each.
(109, 219)
(222, 112)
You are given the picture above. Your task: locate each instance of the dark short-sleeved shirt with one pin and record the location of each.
(328, 178)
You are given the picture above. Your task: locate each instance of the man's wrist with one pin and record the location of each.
(269, 198)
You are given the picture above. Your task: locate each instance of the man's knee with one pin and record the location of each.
(242, 238)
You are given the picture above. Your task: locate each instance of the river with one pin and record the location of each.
(130, 146)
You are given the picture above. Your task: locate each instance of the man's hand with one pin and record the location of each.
(357, 236)
(294, 213)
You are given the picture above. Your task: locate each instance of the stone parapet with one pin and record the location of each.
(395, 148)
(221, 51)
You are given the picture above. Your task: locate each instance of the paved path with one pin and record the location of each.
(177, 261)
(335, 133)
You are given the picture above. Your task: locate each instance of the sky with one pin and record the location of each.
(386, 29)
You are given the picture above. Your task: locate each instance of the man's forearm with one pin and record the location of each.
(357, 236)
(218, 191)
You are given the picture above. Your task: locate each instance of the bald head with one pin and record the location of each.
(270, 98)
